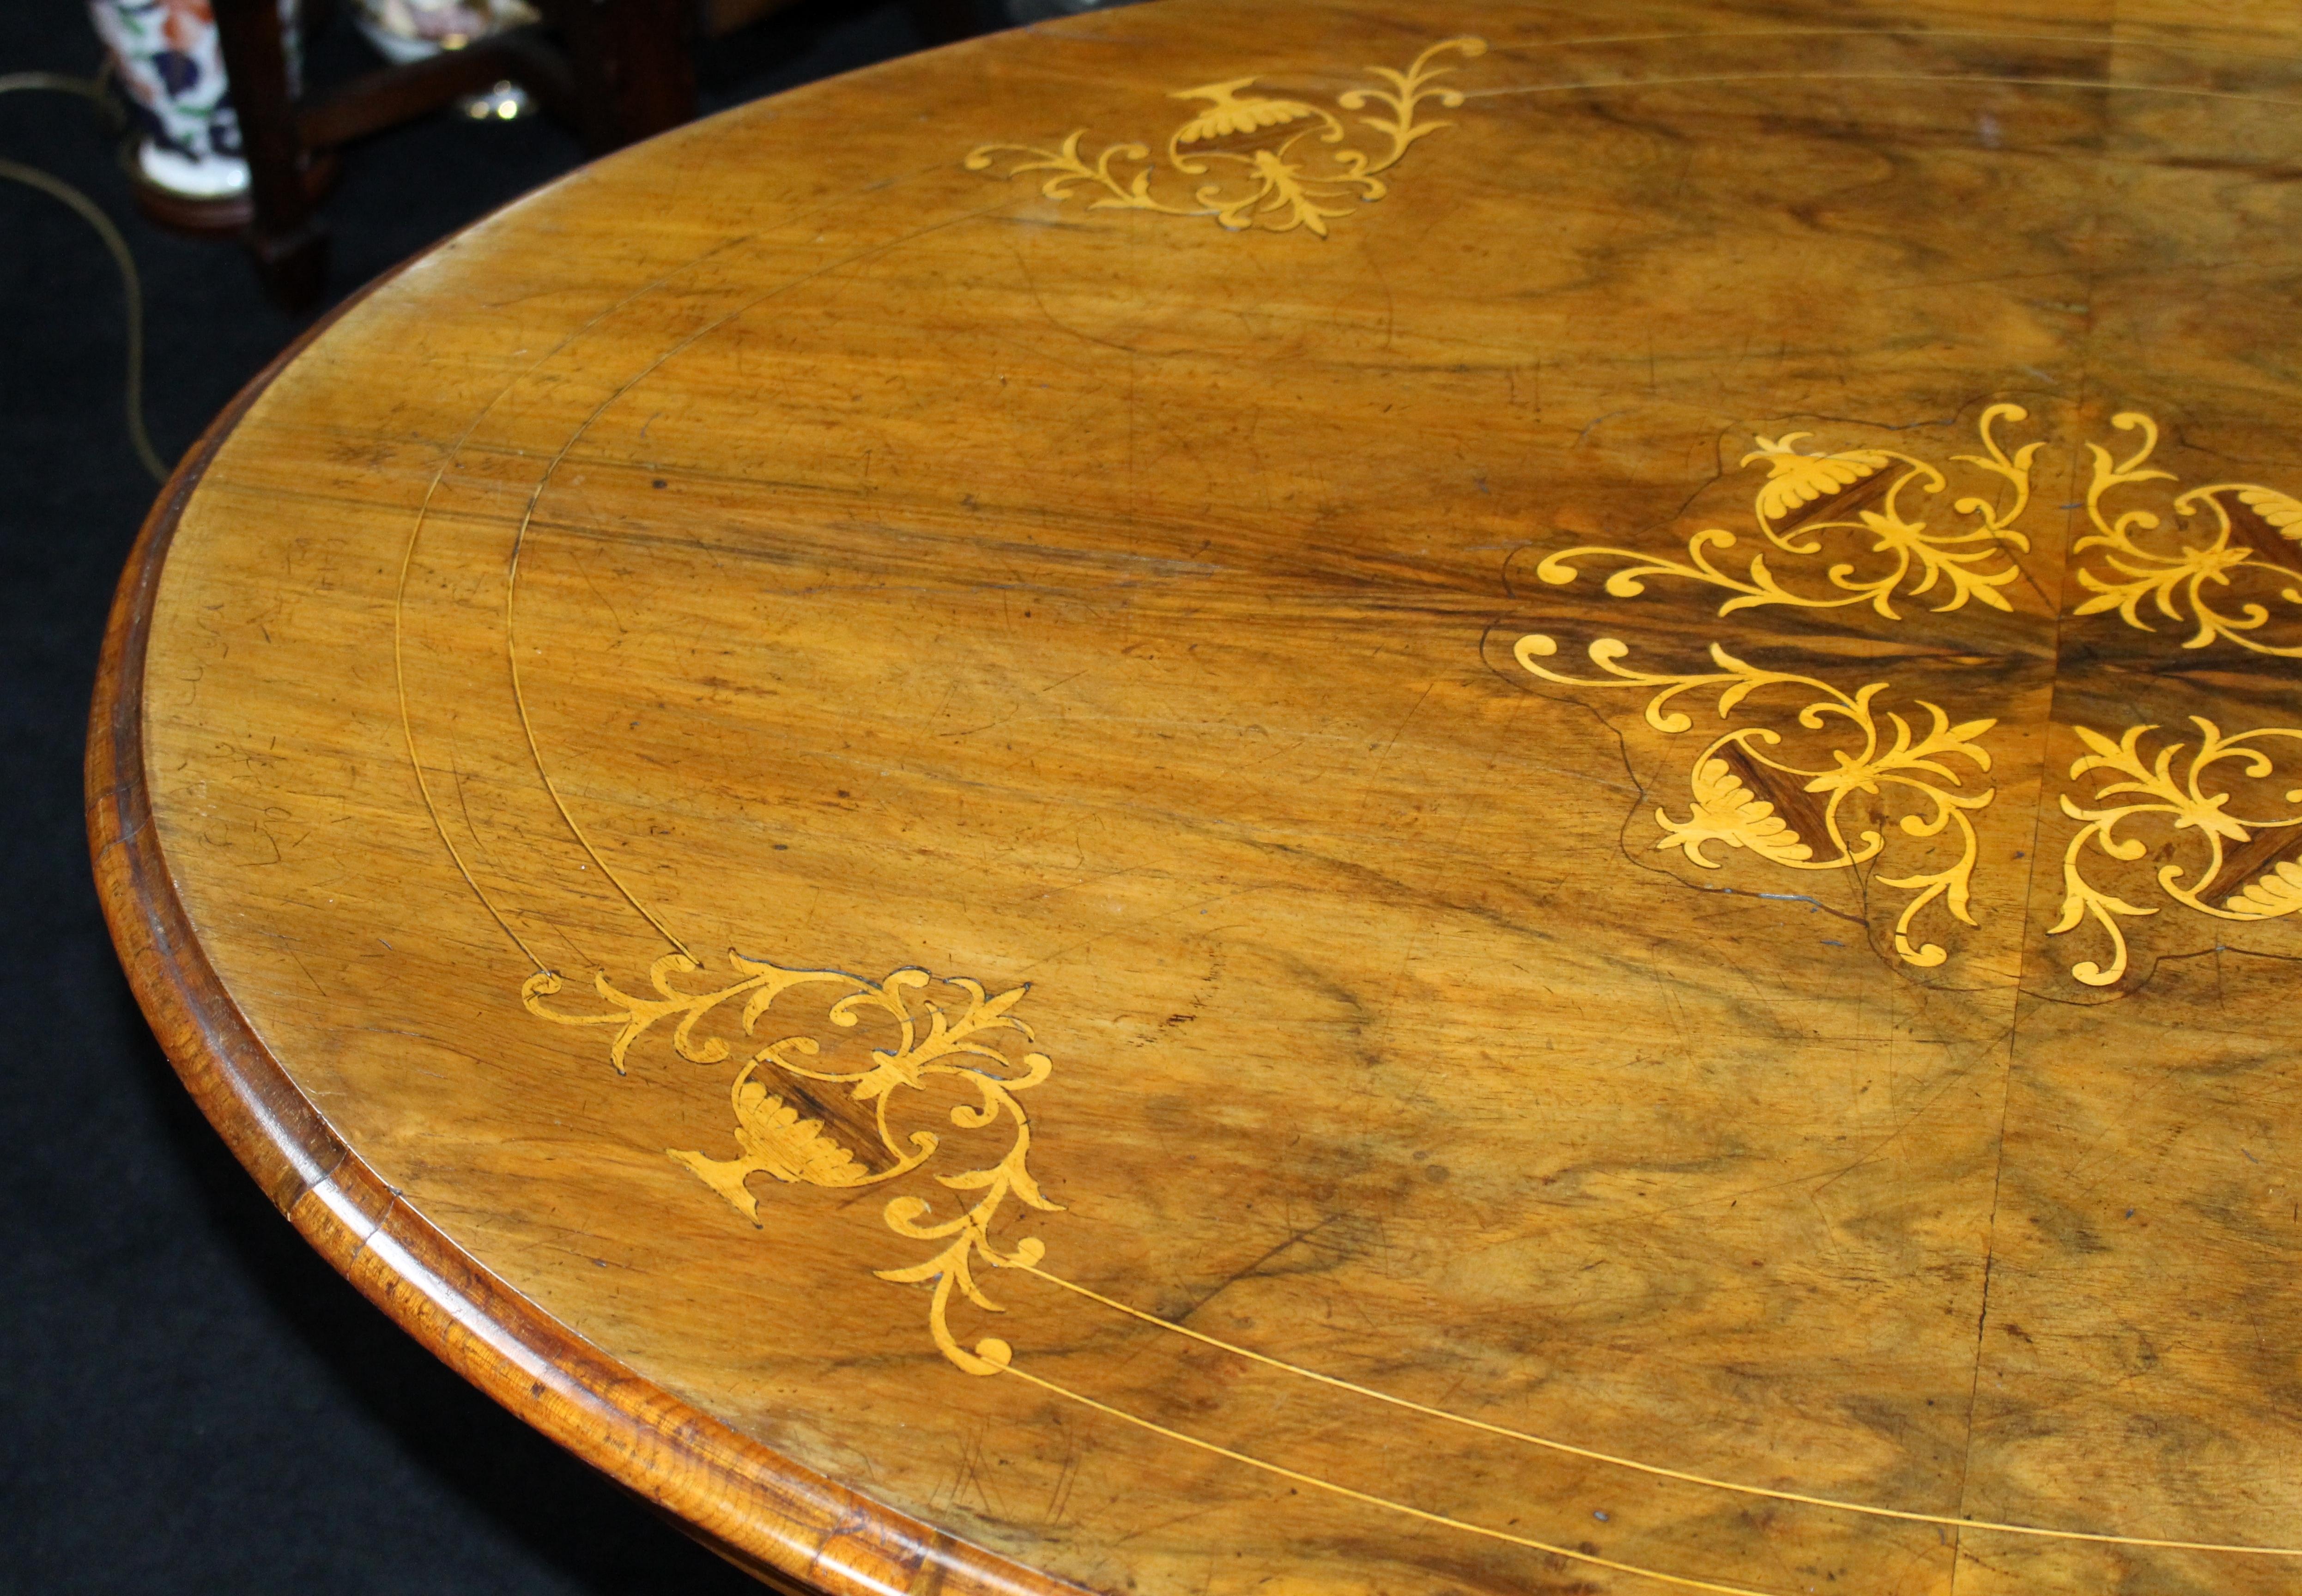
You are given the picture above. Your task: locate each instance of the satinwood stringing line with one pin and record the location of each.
(408, 561)
(424, 510)
(1655, 1470)
(519, 696)
(407, 726)
(1684, 1582)
(582, 429)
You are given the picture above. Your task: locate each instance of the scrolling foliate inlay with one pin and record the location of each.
(1800, 824)
(1867, 517)
(2245, 862)
(1254, 160)
(1812, 505)
(2246, 544)
(785, 1131)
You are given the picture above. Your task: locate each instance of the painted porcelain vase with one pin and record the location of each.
(172, 67)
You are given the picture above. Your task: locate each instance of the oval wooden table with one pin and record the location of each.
(1294, 799)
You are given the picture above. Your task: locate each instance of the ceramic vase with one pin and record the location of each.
(172, 67)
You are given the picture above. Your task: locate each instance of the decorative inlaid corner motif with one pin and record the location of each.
(2247, 545)
(1798, 823)
(1812, 506)
(784, 1132)
(2243, 861)
(1253, 160)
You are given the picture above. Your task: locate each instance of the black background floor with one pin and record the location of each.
(190, 1400)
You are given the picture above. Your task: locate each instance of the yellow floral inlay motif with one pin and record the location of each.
(1913, 559)
(2180, 578)
(959, 1042)
(1882, 750)
(1275, 187)
(2241, 853)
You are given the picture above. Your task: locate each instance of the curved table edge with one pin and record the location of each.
(778, 1520)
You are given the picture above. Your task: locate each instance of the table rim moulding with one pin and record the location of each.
(776, 1519)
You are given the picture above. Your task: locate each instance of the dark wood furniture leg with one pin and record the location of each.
(651, 72)
(287, 240)
(945, 21)
(630, 61)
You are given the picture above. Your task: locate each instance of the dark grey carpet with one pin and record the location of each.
(190, 1401)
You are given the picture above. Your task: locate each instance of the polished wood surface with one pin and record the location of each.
(1305, 800)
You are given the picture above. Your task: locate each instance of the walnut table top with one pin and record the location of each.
(1306, 800)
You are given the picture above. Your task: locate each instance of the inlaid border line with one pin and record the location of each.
(1655, 1470)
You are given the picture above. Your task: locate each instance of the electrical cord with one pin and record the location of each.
(32, 177)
